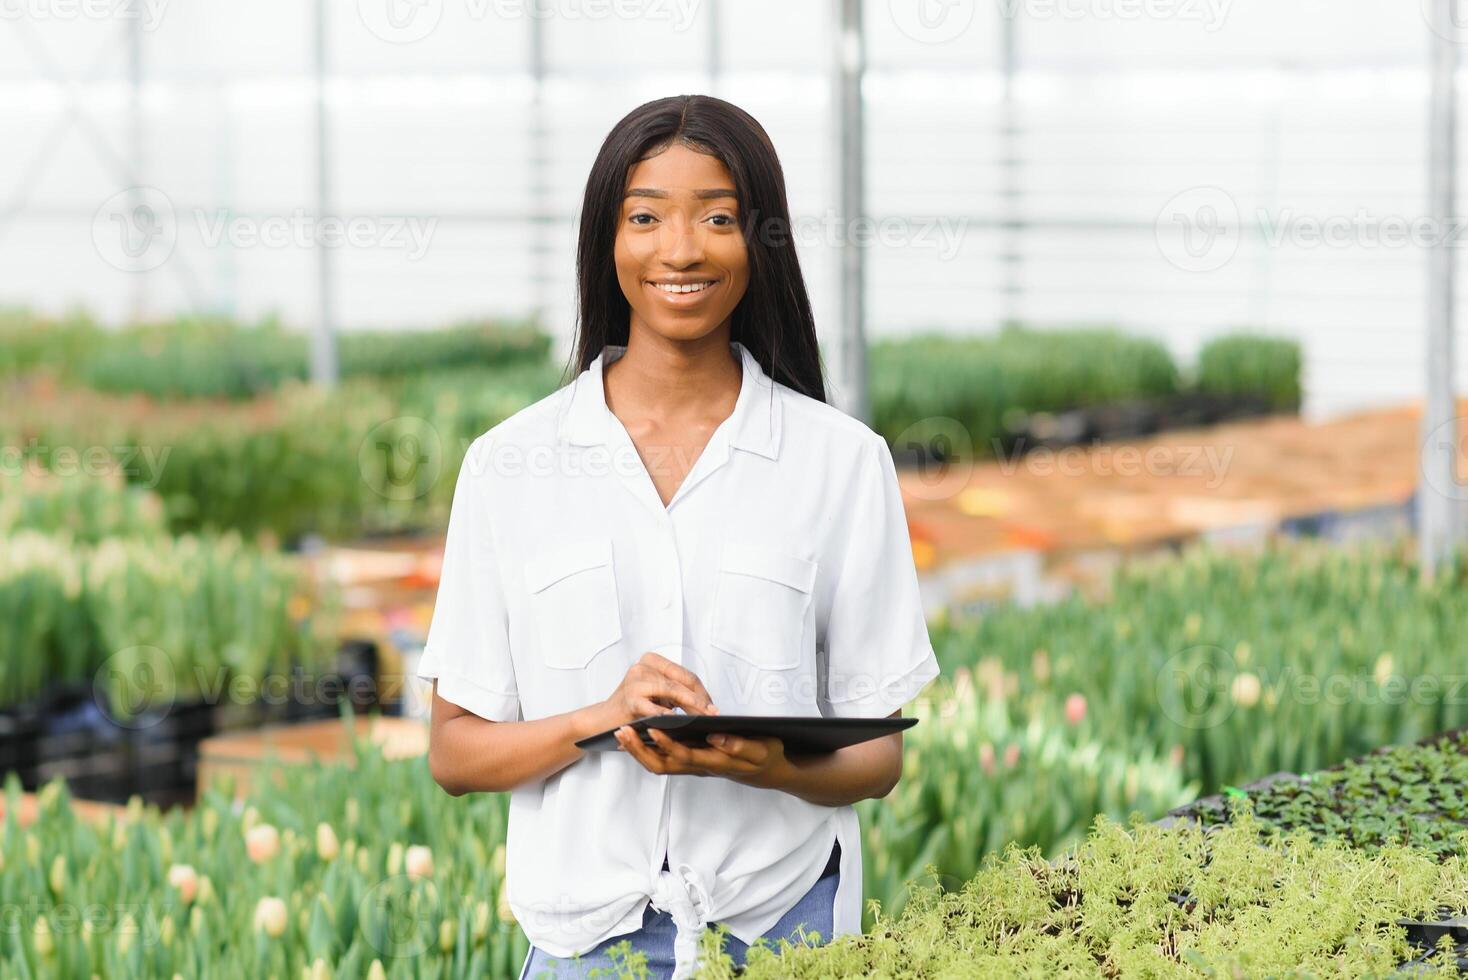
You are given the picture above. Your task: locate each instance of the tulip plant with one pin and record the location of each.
(1241, 665)
(168, 618)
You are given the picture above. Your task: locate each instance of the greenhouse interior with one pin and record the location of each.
(1060, 309)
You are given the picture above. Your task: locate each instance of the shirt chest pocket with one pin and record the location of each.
(573, 602)
(761, 599)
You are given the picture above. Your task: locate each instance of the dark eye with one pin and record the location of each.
(641, 214)
(724, 220)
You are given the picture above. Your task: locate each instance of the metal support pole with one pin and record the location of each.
(1439, 495)
(852, 355)
(715, 48)
(137, 201)
(323, 337)
(540, 166)
(1011, 249)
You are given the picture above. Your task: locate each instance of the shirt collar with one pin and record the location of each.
(754, 424)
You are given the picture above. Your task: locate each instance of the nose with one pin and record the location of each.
(680, 243)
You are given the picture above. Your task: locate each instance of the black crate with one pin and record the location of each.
(352, 679)
(79, 741)
(163, 750)
(19, 729)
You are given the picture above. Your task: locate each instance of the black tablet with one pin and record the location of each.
(801, 735)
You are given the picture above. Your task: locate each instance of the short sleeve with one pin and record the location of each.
(468, 646)
(878, 652)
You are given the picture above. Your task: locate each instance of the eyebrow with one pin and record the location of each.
(702, 195)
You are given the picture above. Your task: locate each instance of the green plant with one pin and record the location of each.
(1407, 794)
(180, 893)
(87, 509)
(1291, 659)
(978, 381)
(1141, 901)
(29, 342)
(167, 618)
(368, 456)
(974, 780)
(1252, 364)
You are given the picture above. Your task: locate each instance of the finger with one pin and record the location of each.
(646, 706)
(676, 753)
(717, 762)
(655, 758)
(684, 677)
(632, 745)
(689, 680)
(752, 750)
(698, 761)
(663, 687)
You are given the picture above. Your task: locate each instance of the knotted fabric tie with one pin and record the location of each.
(683, 895)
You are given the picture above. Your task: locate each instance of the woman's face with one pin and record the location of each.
(679, 226)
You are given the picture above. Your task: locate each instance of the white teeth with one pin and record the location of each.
(689, 288)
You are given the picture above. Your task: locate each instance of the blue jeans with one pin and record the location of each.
(815, 911)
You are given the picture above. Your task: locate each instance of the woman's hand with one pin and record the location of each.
(753, 761)
(655, 686)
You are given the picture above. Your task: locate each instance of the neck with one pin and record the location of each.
(672, 378)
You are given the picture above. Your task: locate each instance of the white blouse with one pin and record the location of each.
(781, 574)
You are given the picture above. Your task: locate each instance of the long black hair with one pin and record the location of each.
(773, 319)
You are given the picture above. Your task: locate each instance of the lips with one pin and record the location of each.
(686, 293)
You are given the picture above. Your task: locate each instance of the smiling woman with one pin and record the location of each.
(686, 526)
(687, 191)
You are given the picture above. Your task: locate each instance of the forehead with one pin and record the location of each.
(679, 169)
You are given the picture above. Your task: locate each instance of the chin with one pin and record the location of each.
(683, 330)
